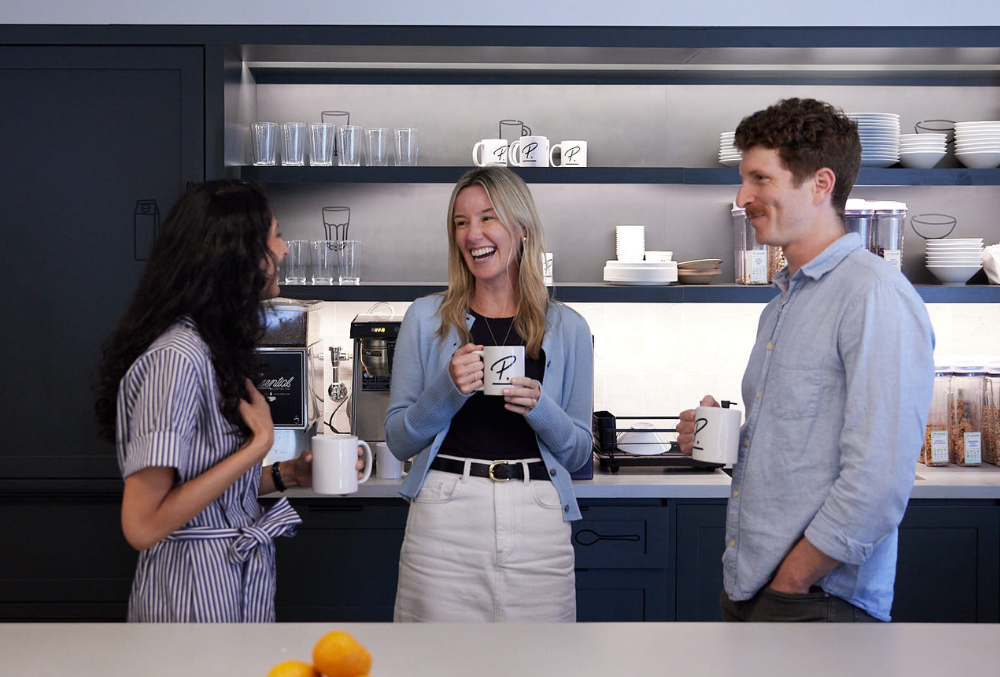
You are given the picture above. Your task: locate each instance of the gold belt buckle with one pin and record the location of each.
(498, 479)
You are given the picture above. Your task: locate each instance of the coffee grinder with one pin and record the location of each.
(292, 379)
(374, 347)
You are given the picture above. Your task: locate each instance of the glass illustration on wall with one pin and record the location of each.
(336, 221)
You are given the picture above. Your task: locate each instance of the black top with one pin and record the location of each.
(483, 428)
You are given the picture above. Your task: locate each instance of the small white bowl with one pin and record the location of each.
(659, 256)
(954, 275)
(921, 160)
(641, 441)
(979, 160)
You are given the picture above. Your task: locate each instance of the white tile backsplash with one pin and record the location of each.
(661, 358)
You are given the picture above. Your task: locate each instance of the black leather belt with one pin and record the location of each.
(498, 471)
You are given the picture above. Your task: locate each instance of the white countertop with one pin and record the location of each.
(512, 650)
(947, 482)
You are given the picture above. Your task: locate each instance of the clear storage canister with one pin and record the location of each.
(859, 218)
(991, 414)
(935, 449)
(749, 256)
(966, 425)
(887, 234)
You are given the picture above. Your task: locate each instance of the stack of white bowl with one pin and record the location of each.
(922, 151)
(728, 155)
(977, 144)
(879, 134)
(955, 260)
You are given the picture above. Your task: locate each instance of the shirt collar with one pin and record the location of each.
(824, 262)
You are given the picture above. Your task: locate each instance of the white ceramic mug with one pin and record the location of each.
(501, 364)
(572, 153)
(387, 466)
(716, 435)
(494, 152)
(529, 151)
(334, 466)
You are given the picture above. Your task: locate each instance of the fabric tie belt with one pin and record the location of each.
(498, 471)
(280, 520)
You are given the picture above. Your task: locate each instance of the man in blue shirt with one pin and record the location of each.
(837, 388)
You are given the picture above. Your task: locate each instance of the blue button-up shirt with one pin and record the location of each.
(837, 389)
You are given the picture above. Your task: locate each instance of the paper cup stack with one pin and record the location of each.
(954, 260)
(879, 134)
(630, 243)
(728, 155)
(977, 144)
(922, 151)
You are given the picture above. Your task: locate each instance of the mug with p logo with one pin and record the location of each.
(500, 365)
(571, 154)
(529, 151)
(494, 152)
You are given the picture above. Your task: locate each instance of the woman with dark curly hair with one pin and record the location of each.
(190, 429)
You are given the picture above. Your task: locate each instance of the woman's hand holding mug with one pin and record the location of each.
(466, 369)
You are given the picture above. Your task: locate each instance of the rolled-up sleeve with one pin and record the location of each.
(886, 345)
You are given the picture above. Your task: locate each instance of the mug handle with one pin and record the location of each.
(367, 456)
(515, 146)
(525, 130)
(552, 150)
(475, 150)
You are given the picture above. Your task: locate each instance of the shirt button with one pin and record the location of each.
(746, 443)
(770, 345)
(565, 508)
(552, 472)
(732, 544)
(736, 493)
(758, 395)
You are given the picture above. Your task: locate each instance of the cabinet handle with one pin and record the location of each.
(589, 537)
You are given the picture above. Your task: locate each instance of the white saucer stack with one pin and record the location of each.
(922, 151)
(640, 272)
(954, 260)
(879, 134)
(977, 144)
(728, 156)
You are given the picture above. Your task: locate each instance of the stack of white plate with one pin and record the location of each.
(879, 134)
(640, 272)
(955, 260)
(630, 243)
(728, 155)
(922, 150)
(977, 144)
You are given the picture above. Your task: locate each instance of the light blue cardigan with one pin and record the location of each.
(424, 398)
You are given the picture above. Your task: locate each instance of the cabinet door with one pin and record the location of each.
(948, 568)
(92, 137)
(343, 563)
(701, 541)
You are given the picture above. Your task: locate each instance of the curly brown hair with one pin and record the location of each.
(808, 135)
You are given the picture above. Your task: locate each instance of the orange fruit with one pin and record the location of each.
(292, 669)
(337, 654)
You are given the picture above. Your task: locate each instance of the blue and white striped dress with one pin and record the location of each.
(219, 567)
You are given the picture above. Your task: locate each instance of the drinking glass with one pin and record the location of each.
(336, 118)
(325, 261)
(294, 149)
(297, 261)
(265, 143)
(350, 261)
(350, 138)
(406, 147)
(321, 140)
(377, 146)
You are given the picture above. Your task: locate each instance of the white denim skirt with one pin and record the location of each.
(477, 550)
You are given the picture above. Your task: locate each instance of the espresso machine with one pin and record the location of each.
(374, 347)
(292, 360)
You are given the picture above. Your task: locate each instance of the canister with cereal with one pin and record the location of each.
(966, 425)
(935, 449)
(991, 414)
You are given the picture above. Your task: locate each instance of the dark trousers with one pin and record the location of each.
(815, 606)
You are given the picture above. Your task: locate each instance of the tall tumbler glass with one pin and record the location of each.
(321, 139)
(406, 147)
(336, 118)
(265, 143)
(350, 262)
(297, 261)
(377, 146)
(325, 261)
(293, 152)
(351, 139)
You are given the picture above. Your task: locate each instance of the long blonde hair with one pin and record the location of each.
(515, 209)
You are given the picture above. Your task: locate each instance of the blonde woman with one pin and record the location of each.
(488, 534)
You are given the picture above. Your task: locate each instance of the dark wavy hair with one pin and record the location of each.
(205, 264)
(808, 135)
